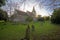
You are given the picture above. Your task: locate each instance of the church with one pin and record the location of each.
(21, 16)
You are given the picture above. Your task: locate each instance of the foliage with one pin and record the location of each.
(29, 19)
(40, 18)
(3, 15)
(55, 18)
(46, 18)
(2, 2)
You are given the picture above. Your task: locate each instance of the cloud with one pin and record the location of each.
(28, 5)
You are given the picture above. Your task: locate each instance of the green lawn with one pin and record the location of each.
(43, 31)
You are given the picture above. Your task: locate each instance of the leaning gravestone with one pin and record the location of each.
(27, 36)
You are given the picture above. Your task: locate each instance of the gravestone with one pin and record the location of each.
(33, 28)
(27, 36)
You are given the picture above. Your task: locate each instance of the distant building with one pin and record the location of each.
(20, 16)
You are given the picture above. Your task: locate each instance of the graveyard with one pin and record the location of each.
(29, 19)
(31, 31)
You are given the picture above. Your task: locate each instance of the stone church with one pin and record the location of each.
(21, 16)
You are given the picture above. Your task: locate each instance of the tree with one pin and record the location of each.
(3, 15)
(40, 18)
(46, 18)
(55, 18)
(2, 2)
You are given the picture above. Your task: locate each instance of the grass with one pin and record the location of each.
(10, 31)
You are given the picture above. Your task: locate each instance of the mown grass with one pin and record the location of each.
(11, 31)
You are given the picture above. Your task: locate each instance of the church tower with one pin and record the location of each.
(34, 12)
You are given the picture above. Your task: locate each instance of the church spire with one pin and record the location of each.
(33, 11)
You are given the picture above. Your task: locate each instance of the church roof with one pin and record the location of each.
(21, 12)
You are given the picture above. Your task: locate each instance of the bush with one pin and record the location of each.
(29, 19)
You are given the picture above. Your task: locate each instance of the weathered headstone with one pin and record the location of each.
(33, 28)
(27, 36)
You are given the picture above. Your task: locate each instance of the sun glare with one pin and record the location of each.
(42, 12)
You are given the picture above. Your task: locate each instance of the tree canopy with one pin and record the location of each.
(2, 2)
(3, 15)
(55, 18)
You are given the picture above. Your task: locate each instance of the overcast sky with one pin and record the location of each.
(42, 7)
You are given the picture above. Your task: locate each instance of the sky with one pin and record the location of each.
(42, 7)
